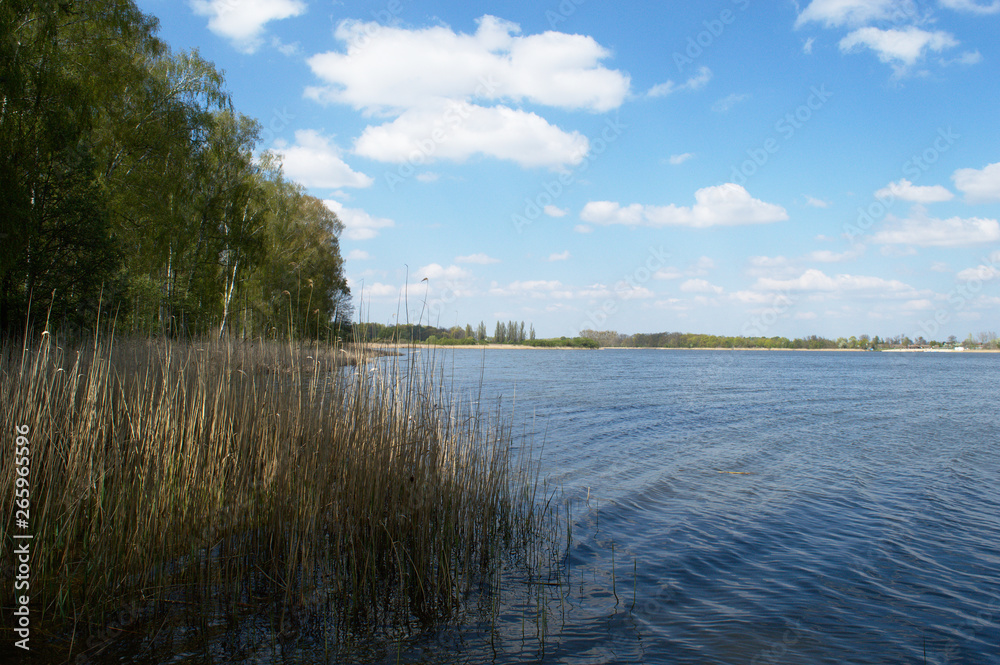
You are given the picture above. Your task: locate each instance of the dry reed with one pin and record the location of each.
(236, 478)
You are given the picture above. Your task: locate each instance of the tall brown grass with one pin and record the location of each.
(235, 478)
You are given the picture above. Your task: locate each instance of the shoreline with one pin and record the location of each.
(515, 347)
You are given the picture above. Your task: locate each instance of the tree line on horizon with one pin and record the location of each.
(132, 191)
(513, 332)
(676, 340)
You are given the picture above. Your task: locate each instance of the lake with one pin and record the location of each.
(760, 507)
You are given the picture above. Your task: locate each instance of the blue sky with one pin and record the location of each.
(734, 167)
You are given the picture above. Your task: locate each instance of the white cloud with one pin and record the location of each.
(721, 205)
(397, 68)
(817, 280)
(534, 289)
(924, 231)
(807, 47)
(358, 224)
(979, 186)
(981, 273)
(699, 80)
(700, 286)
(479, 259)
(901, 48)
(435, 272)
(990, 7)
(965, 58)
(701, 266)
(907, 191)
(816, 203)
(627, 291)
(555, 211)
(358, 255)
(680, 159)
(428, 176)
(826, 256)
(583, 228)
(561, 256)
(668, 273)
(314, 161)
(458, 130)
(726, 103)
(242, 23)
(375, 290)
(833, 13)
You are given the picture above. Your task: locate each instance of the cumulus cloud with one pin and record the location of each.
(315, 161)
(979, 185)
(555, 211)
(397, 68)
(435, 272)
(242, 23)
(907, 191)
(835, 13)
(680, 159)
(374, 290)
(479, 259)
(990, 7)
(560, 256)
(700, 286)
(358, 224)
(923, 231)
(699, 80)
(669, 272)
(458, 130)
(826, 256)
(722, 205)
(982, 273)
(901, 48)
(817, 280)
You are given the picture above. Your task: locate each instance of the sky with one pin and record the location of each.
(735, 167)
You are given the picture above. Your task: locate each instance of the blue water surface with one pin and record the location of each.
(760, 507)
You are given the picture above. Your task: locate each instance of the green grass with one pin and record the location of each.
(236, 478)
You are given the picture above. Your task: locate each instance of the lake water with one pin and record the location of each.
(760, 507)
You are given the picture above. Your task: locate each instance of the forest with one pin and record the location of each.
(132, 191)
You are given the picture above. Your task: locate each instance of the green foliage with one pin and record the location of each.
(570, 342)
(128, 184)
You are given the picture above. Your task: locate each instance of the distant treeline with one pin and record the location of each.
(676, 340)
(511, 332)
(130, 189)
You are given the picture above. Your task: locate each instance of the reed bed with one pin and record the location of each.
(232, 479)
